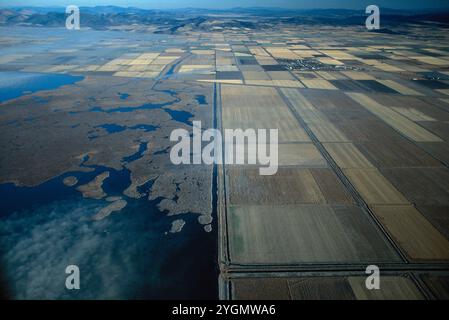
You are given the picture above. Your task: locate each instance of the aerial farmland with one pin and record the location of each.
(362, 177)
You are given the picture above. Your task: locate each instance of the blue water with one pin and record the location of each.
(146, 106)
(128, 255)
(180, 116)
(54, 189)
(171, 71)
(114, 128)
(201, 99)
(177, 115)
(123, 96)
(143, 146)
(16, 84)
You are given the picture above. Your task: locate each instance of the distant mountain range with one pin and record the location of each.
(178, 20)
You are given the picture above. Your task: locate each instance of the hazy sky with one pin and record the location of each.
(353, 4)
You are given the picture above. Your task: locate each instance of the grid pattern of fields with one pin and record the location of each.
(362, 179)
(363, 122)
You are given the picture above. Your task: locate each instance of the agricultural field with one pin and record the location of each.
(363, 177)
